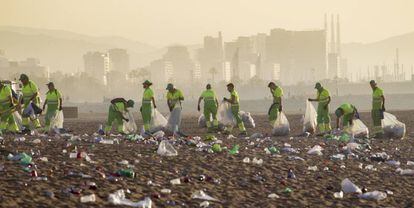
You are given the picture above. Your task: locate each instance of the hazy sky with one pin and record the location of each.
(163, 22)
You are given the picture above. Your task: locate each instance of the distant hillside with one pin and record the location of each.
(361, 55)
(62, 50)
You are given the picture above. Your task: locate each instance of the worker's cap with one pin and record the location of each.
(23, 77)
(318, 85)
(170, 86)
(271, 84)
(130, 103)
(147, 82)
(208, 86)
(372, 82)
(338, 112)
(50, 84)
(230, 85)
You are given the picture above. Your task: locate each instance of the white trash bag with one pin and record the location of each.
(392, 127)
(247, 119)
(316, 150)
(281, 126)
(118, 198)
(166, 149)
(224, 114)
(130, 126)
(174, 119)
(158, 121)
(18, 118)
(359, 129)
(309, 120)
(373, 195)
(349, 187)
(57, 120)
(202, 121)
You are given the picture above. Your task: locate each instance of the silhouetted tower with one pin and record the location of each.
(333, 50)
(338, 36)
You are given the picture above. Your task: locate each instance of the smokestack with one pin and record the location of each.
(338, 36)
(332, 35)
(326, 23)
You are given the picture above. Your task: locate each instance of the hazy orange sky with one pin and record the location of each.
(164, 22)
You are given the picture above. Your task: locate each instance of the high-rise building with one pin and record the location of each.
(97, 64)
(211, 56)
(297, 56)
(119, 60)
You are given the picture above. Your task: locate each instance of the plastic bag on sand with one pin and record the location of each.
(201, 195)
(281, 126)
(202, 121)
(374, 195)
(309, 120)
(359, 129)
(316, 150)
(166, 149)
(174, 119)
(118, 198)
(57, 121)
(349, 187)
(158, 121)
(247, 119)
(224, 114)
(392, 127)
(130, 126)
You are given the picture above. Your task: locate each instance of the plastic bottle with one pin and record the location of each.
(291, 175)
(88, 198)
(126, 173)
(216, 148)
(273, 150)
(100, 130)
(234, 150)
(176, 181)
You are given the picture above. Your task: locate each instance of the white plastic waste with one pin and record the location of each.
(246, 160)
(405, 171)
(273, 196)
(158, 121)
(316, 150)
(393, 162)
(373, 195)
(339, 195)
(247, 119)
(349, 187)
(392, 127)
(202, 121)
(281, 127)
(204, 204)
(118, 198)
(203, 196)
(309, 120)
(166, 149)
(88, 198)
(313, 168)
(410, 163)
(257, 161)
(176, 181)
(359, 129)
(224, 114)
(174, 119)
(129, 127)
(57, 120)
(166, 191)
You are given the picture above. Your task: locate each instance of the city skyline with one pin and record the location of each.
(170, 24)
